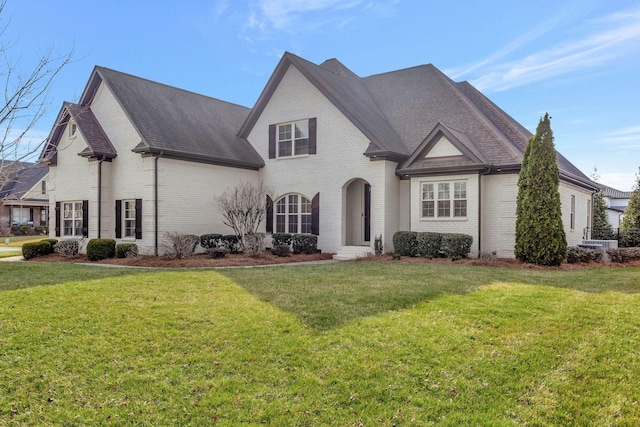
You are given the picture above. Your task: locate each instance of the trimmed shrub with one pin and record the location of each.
(42, 229)
(629, 237)
(217, 253)
(126, 250)
(624, 254)
(98, 249)
(281, 239)
(281, 250)
(210, 241)
(34, 249)
(578, 254)
(67, 247)
(405, 243)
(456, 246)
(428, 244)
(254, 244)
(231, 243)
(304, 243)
(52, 242)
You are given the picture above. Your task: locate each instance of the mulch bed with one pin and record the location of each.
(267, 258)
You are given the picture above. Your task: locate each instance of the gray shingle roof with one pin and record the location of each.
(613, 193)
(21, 177)
(98, 143)
(398, 110)
(179, 123)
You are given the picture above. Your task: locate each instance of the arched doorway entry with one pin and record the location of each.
(357, 213)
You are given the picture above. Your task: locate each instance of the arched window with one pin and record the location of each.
(293, 214)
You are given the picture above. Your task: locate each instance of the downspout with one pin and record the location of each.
(480, 208)
(155, 210)
(100, 194)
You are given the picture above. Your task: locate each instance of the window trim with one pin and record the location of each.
(74, 218)
(129, 232)
(73, 129)
(303, 214)
(572, 213)
(293, 139)
(434, 195)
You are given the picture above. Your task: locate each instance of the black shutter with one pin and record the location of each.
(315, 215)
(85, 218)
(269, 215)
(31, 214)
(313, 126)
(272, 141)
(138, 218)
(57, 219)
(118, 219)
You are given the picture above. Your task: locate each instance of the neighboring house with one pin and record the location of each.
(347, 158)
(24, 199)
(617, 202)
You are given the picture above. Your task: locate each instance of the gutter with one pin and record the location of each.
(480, 175)
(102, 159)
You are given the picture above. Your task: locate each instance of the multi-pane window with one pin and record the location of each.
(439, 201)
(129, 218)
(72, 219)
(293, 214)
(573, 212)
(293, 139)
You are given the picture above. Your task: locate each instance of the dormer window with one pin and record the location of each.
(73, 128)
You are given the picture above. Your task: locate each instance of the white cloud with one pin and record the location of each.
(610, 38)
(624, 136)
(619, 181)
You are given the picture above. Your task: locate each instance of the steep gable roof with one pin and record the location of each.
(346, 91)
(178, 123)
(20, 178)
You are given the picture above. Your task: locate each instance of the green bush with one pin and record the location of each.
(126, 250)
(98, 249)
(456, 246)
(216, 253)
(281, 250)
(624, 254)
(231, 243)
(42, 229)
(304, 243)
(34, 249)
(428, 244)
(405, 243)
(281, 239)
(578, 254)
(629, 238)
(210, 241)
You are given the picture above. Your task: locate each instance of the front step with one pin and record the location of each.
(352, 252)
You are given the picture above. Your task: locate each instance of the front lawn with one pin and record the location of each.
(338, 344)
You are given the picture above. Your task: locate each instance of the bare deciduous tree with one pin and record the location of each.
(25, 103)
(243, 208)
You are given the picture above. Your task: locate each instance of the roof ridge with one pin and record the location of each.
(99, 67)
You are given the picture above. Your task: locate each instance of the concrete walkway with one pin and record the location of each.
(11, 249)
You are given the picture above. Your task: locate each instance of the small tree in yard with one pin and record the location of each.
(632, 212)
(540, 236)
(243, 208)
(601, 228)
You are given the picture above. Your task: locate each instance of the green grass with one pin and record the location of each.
(10, 254)
(339, 344)
(18, 241)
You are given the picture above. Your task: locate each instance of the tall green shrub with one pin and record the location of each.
(602, 229)
(540, 236)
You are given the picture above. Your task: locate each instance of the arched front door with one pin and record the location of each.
(358, 213)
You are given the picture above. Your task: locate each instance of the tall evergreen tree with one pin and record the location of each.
(540, 236)
(632, 212)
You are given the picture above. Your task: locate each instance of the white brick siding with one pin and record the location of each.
(339, 160)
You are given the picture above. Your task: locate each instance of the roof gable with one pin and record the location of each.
(178, 123)
(346, 91)
(20, 178)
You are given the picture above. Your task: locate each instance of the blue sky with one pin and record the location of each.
(577, 60)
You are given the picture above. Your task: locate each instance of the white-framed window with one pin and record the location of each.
(129, 218)
(293, 214)
(73, 129)
(444, 199)
(43, 187)
(72, 219)
(573, 213)
(293, 139)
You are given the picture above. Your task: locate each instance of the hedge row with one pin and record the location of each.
(299, 243)
(432, 245)
(34, 249)
(624, 254)
(578, 254)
